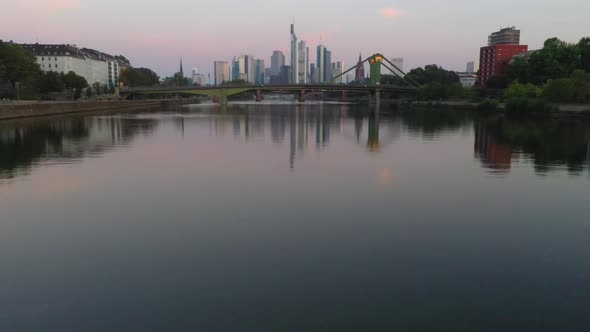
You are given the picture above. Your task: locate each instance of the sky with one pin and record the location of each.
(155, 34)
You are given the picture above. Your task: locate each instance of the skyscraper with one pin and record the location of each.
(328, 66)
(303, 67)
(294, 55)
(470, 68)
(221, 72)
(338, 69)
(321, 64)
(259, 72)
(398, 62)
(277, 60)
(244, 68)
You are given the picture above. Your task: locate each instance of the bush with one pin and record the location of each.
(521, 106)
(517, 90)
(488, 106)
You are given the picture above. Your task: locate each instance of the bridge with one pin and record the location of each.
(372, 85)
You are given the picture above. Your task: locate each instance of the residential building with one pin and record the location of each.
(493, 60)
(221, 72)
(467, 79)
(96, 67)
(502, 47)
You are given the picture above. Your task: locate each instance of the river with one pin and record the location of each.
(285, 217)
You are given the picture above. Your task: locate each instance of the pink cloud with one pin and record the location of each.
(389, 12)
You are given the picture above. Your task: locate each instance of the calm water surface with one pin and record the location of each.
(294, 218)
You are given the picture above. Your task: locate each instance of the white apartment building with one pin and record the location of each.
(96, 67)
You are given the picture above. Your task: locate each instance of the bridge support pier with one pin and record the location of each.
(301, 98)
(377, 101)
(343, 97)
(258, 96)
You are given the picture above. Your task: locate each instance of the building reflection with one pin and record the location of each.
(550, 144)
(493, 155)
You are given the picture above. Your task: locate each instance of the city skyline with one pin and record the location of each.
(151, 38)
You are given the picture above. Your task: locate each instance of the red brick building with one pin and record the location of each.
(493, 59)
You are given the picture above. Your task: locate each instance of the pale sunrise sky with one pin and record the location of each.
(155, 34)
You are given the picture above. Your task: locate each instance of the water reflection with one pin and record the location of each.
(499, 143)
(550, 144)
(25, 144)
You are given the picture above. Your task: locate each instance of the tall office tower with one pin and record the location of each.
(321, 64)
(245, 69)
(235, 69)
(470, 68)
(338, 69)
(277, 60)
(328, 66)
(303, 74)
(294, 55)
(221, 72)
(398, 62)
(312, 74)
(267, 75)
(259, 72)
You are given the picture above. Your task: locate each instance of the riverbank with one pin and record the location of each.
(571, 110)
(23, 109)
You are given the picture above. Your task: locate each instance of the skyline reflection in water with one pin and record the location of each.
(498, 143)
(293, 217)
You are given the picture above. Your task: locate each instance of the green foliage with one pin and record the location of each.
(433, 74)
(75, 82)
(393, 80)
(523, 106)
(51, 81)
(575, 89)
(517, 90)
(488, 106)
(134, 77)
(557, 59)
(18, 65)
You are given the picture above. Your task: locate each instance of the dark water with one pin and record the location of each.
(294, 218)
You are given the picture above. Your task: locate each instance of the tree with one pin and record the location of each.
(392, 80)
(51, 81)
(18, 64)
(433, 74)
(77, 83)
(134, 77)
(517, 90)
(584, 48)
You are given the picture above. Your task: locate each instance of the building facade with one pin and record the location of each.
(294, 56)
(502, 47)
(507, 36)
(259, 72)
(303, 66)
(321, 64)
(493, 60)
(221, 72)
(277, 60)
(244, 68)
(338, 69)
(398, 62)
(96, 67)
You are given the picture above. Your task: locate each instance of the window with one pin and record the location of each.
(42, 58)
(49, 65)
(55, 58)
